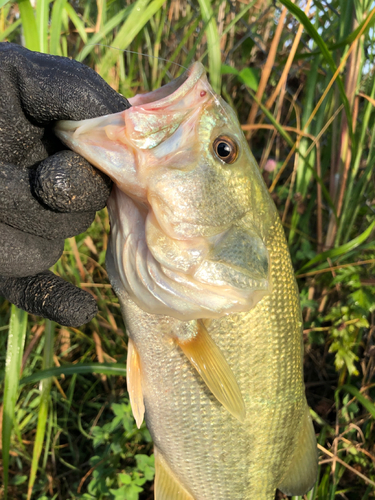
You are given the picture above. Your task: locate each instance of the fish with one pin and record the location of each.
(200, 265)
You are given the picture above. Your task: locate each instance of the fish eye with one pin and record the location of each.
(226, 149)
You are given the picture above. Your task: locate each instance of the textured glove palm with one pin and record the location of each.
(46, 194)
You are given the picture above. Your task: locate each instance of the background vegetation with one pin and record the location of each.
(301, 77)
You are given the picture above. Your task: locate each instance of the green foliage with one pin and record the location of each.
(248, 76)
(16, 342)
(110, 441)
(317, 154)
(344, 334)
(43, 404)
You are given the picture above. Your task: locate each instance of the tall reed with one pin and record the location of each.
(301, 77)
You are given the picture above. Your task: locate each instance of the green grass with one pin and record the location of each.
(72, 427)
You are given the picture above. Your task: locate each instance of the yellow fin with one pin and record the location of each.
(167, 487)
(303, 470)
(133, 380)
(212, 366)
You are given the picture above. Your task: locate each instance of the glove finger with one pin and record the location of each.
(23, 254)
(38, 89)
(51, 297)
(66, 182)
(21, 210)
(57, 88)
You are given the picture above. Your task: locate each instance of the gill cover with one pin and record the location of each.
(183, 241)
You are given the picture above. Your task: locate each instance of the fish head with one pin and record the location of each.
(190, 213)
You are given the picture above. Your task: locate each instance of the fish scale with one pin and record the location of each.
(211, 453)
(199, 262)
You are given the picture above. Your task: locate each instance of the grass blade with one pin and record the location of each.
(107, 28)
(303, 19)
(341, 250)
(348, 40)
(44, 405)
(136, 20)
(370, 407)
(42, 12)
(353, 193)
(213, 42)
(177, 51)
(56, 23)
(81, 368)
(16, 342)
(4, 34)
(281, 130)
(29, 25)
(80, 25)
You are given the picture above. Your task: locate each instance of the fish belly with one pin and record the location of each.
(213, 455)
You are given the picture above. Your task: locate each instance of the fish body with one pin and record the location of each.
(199, 262)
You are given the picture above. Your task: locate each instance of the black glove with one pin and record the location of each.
(47, 194)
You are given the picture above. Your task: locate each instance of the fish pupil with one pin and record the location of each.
(223, 150)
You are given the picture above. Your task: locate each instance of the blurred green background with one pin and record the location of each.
(301, 77)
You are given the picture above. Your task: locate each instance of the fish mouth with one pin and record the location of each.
(110, 142)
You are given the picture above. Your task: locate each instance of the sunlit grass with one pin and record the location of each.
(313, 136)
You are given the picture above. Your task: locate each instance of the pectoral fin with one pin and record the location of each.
(167, 487)
(303, 469)
(212, 366)
(133, 376)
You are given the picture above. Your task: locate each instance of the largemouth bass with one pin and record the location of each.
(199, 262)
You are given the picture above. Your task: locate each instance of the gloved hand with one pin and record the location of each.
(47, 194)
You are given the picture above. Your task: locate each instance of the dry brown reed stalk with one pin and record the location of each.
(38, 332)
(99, 5)
(74, 247)
(358, 446)
(360, 94)
(88, 474)
(310, 296)
(58, 386)
(292, 182)
(319, 173)
(99, 353)
(258, 126)
(65, 343)
(341, 168)
(262, 10)
(319, 201)
(96, 285)
(321, 100)
(232, 32)
(112, 320)
(57, 363)
(266, 126)
(342, 462)
(335, 443)
(280, 92)
(330, 269)
(221, 24)
(288, 63)
(271, 137)
(267, 68)
(283, 95)
(270, 142)
(90, 245)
